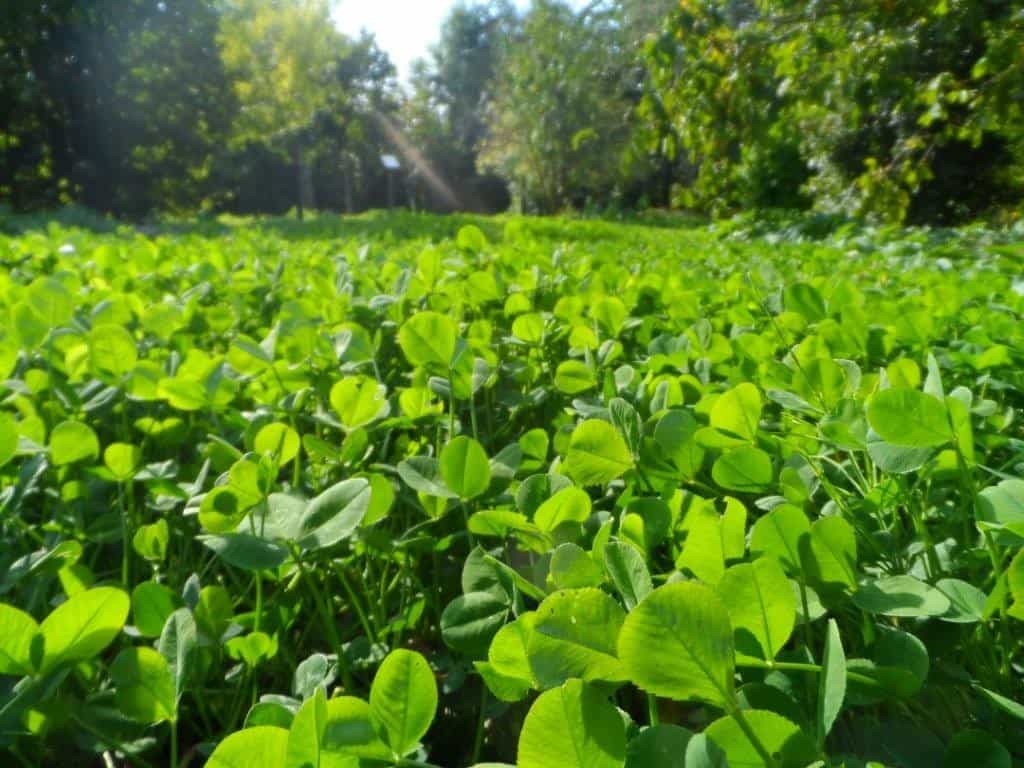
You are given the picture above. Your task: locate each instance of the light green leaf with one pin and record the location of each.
(659, 746)
(502, 687)
(627, 421)
(428, 339)
(907, 417)
(574, 634)
(778, 534)
(277, 440)
(568, 505)
(597, 453)
(573, 377)
(675, 434)
(529, 328)
(152, 604)
(18, 630)
(83, 626)
(306, 735)
(349, 735)
(403, 700)
(572, 567)
(897, 459)
(178, 643)
(761, 607)
(471, 238)
(245, 551)
(73, 441)
(831, 682)
(745, 469)
(966, 601)
(465, 468)
(8, 438)
(704, 550)
(150, 541)
(573, 726)
(145, 686)
(777, 735)
(508, 652)
(678, 643)
(335, 514)
(702, 752)
(123, 460)
(423, 474)
(901, 596)
(51, 301)
(1002, 506)
(738, 411)
(222, 509)
(829, 555)
(804, 299)
(239, 749)
(628, 572)
(112, 350)
(359, 400)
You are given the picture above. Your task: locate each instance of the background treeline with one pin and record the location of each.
(890, 109)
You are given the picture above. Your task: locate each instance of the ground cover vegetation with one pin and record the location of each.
(401, 490)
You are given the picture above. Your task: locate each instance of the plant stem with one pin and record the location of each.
(752, 737)
(363, 620)
(472, 414)
(126, 567)
(478, 739)
(796, 666)
(652, 709)
(407, 763)
(257, 619)
(328, 621)
(174, 743)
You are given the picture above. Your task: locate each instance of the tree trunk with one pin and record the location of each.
(299, 180)
(348, 169)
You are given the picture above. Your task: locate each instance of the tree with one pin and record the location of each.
(558, 122)
(118, 104)
(881, 109)
(451, 93)
(281, 56)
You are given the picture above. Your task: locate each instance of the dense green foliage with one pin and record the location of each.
(907, 111)
(137, 105)
(411, 491)
(883, 109)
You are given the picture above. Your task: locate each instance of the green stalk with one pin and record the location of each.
(652, 709)
(472, 414)
(797, 666)
(174, 742)
(257, 620)
(752, 737)
(104, 739)
(478, 739)
(17, 697)
(325, 616)
(126, 566)
(363, 620)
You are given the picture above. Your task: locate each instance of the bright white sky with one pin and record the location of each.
(404, 28)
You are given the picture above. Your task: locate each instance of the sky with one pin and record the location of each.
(404, 28)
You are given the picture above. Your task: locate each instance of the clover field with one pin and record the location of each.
(414, 491)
